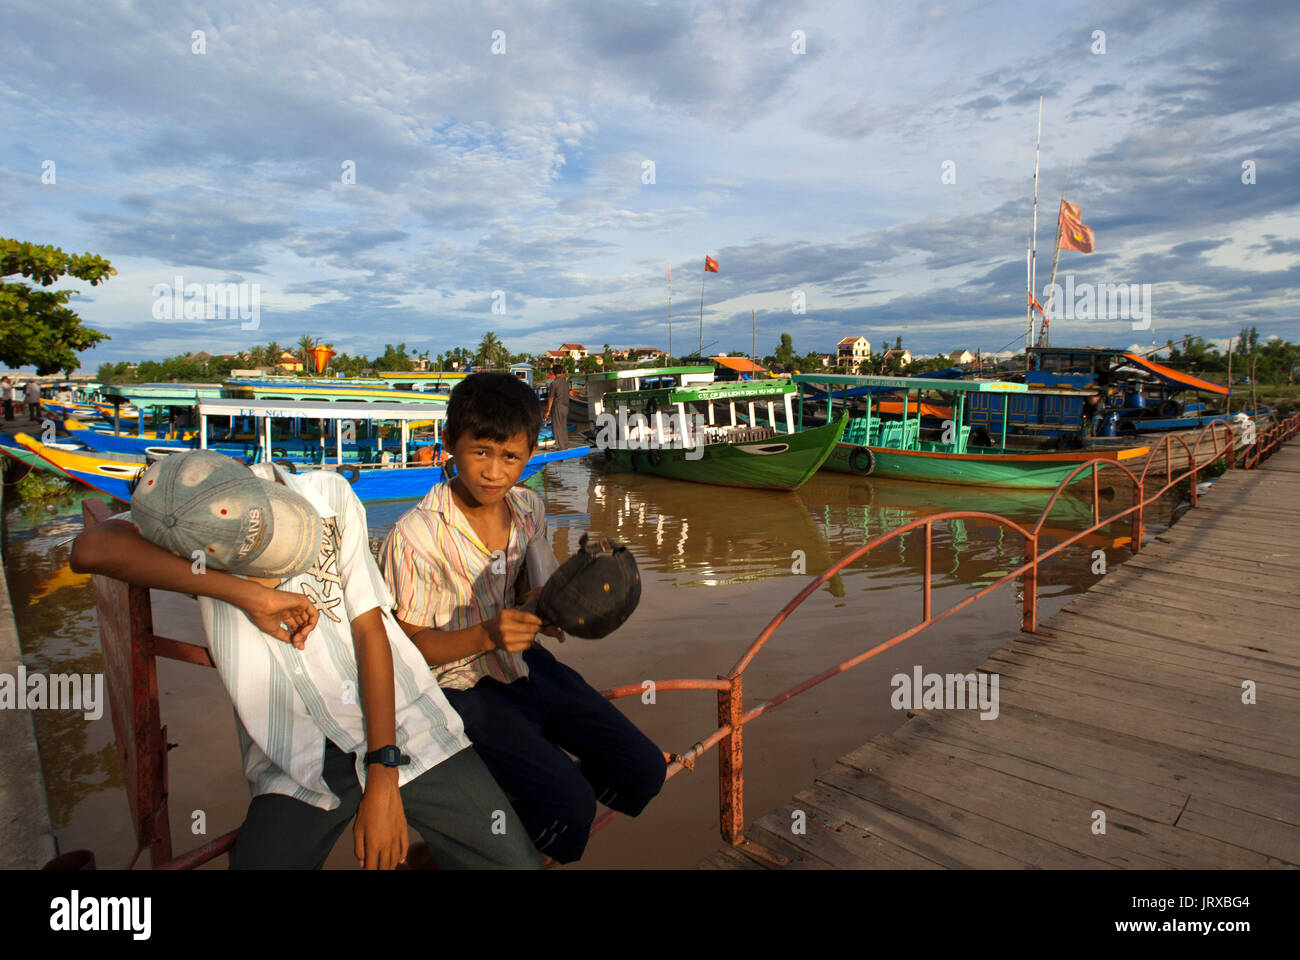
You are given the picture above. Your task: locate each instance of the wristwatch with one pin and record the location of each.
(389, 756)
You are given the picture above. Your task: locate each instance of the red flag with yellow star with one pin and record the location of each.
(1073, 234)
(710, 265)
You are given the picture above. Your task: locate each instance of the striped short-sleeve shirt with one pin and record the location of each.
(442, 575)
(287, 701)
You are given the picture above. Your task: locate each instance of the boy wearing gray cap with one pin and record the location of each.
(337, 713)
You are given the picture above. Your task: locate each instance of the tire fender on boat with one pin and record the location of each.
(350, 473)
(655, 457)
(862, 461)
(287, 465)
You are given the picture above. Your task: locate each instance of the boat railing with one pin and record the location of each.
(130, 647)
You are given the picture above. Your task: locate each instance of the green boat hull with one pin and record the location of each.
(783, 462)
(23, 455)
(1025, 471)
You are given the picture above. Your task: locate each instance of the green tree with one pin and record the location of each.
(394, 358)
(491, 353)
(305, 343)
(272, 353)
(784, 356)
(589, 364)
(36, 326)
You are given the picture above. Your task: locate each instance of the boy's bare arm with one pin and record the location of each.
(116, 549)
(379, 836)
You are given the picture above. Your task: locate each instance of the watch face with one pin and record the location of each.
(390, 756)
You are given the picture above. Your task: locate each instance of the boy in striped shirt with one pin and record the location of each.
(454, 564)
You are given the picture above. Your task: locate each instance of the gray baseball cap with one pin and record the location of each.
(206, 501)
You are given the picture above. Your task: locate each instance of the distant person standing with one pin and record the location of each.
(557, 407)
(33, 393)
(7, 391)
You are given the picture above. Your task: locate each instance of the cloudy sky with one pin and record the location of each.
(223, 157)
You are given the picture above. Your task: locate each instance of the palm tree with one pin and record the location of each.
(305, 343)
(273, 351)
(490, 351)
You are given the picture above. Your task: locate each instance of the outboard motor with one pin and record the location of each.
(1135, 398)
(1109, 426)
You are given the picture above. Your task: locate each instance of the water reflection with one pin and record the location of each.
(716, 540)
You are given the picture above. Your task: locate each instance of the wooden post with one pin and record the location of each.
(731, 776)
(1029, 617)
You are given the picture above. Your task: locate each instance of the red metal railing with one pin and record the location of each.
(732, 716)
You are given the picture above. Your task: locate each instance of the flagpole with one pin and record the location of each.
(1056, 254)
(753, 346)
(700, 352)
(1029, 307)
(670, 313)
(1033, 259)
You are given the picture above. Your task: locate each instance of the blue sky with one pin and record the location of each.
(522, 172)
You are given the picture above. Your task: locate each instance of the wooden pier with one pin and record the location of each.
(1128, 704)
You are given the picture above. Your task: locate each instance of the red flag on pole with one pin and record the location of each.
(710, 265)
(1074, 235)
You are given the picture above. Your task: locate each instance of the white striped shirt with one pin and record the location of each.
(288, 701)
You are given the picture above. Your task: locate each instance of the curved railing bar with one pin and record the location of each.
(849, 558)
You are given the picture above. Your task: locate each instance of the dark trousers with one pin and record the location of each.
(456, 806)
(522, 730)
(9, 409)
(32, 410)
(560, 426)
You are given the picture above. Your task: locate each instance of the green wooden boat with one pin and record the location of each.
(586, 397)
(872, 446)
(708, 433)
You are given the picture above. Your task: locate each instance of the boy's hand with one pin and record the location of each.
(271, 608)
(379, 834)
(513, 630)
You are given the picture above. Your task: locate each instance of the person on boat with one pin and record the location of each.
(454, 563)
(7, 389)
(424, 455)
(557, 407)
(324, 682)
(33, 396)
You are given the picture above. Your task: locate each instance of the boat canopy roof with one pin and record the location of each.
(1176, 377)
(633, 373)
(289, 389)
(913, 383)
(741, 365)
(726, 390)
(161, 394)
(318, 410)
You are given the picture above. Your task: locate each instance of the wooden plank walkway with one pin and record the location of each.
(1129, 702)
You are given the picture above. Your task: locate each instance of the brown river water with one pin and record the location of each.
(716, 564)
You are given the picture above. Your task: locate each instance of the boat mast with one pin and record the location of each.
(1056, 256)
(1033, 252)
(1029, 290)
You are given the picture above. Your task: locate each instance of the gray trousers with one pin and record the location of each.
(560, 426)
(455, 807)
